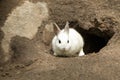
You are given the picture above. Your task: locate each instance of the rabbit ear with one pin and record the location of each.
(56, 28)
(67, 27)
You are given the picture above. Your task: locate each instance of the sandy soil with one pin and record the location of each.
(96, 20)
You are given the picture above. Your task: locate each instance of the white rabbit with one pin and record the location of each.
(67, 42)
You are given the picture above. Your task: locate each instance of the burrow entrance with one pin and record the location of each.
(95, 38)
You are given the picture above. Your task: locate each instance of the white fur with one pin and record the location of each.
(74, 46)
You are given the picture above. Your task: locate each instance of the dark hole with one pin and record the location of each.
(93, 43)
(94, 39)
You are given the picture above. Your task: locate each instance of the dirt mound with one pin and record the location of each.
(32, 59)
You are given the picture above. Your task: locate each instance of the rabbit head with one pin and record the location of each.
(62, 41)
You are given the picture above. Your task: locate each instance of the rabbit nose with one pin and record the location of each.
(64, 49)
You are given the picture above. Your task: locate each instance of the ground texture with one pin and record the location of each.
(29, 56)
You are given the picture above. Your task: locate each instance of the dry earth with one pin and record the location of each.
(26, 33)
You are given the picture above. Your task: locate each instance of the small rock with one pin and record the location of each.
(5, 74)
(48, 34)
(1, 69)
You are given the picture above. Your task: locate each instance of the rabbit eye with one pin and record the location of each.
(68, 41)
(59, 41)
